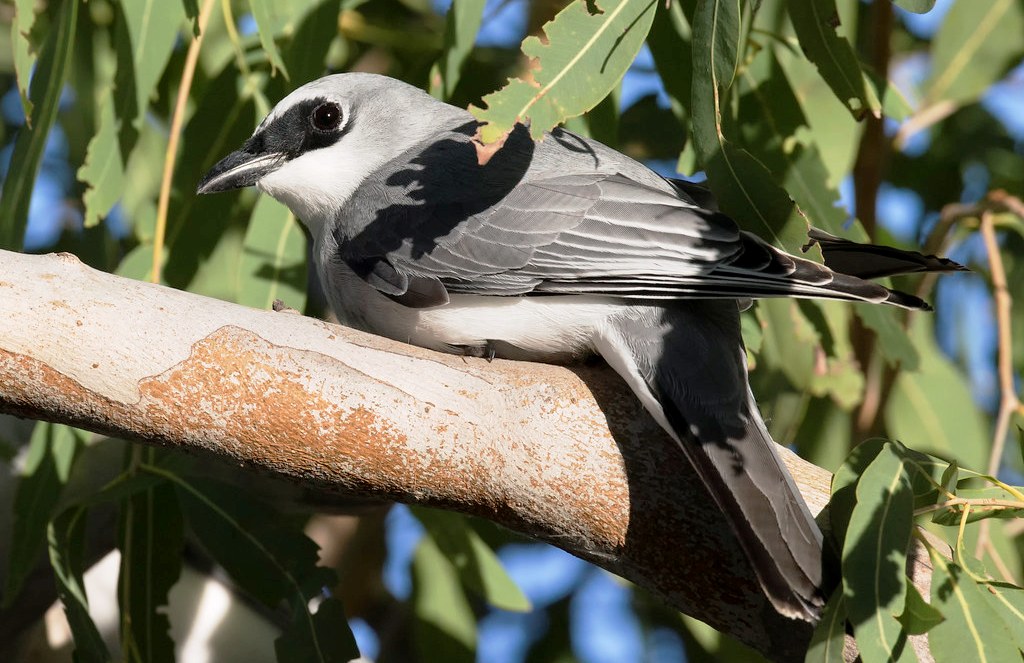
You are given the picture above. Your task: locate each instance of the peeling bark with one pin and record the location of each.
(564, 455)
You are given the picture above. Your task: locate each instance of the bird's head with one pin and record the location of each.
(322, 140)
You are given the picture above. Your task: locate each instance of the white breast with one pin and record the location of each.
(555, 328)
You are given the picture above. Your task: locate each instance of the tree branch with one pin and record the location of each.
(565, 455)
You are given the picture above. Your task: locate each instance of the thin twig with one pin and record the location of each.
(1008, 402)
(187, 74)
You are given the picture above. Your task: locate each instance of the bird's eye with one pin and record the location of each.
(326, 117)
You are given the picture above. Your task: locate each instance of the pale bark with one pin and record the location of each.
(565, 455)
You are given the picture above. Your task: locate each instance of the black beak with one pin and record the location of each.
(240, 169)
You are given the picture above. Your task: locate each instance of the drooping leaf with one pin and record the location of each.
(585, 56)
(151, 541)
(262, 13)
(830, 633)
(974, 46)
(273, 264)
(103, 170)
(972, 630)
(844, 485)
(462, 24)
(44, 91)
(51, 452)
(815, 22)
(66, 538)
(918, 617)
(778, 134)
(334, 642)
(445, 628)
(932, 409)
(669, 41)
(272, 559)
(268, 556)
(24, 58)
(304, 55)
(875, 555)
(477, 565)
(145, 37)
(743, 186)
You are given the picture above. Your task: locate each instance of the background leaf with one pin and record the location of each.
(45, 92)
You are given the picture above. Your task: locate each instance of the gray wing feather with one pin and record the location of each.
(450, 225)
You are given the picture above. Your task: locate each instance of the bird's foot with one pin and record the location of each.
(280, 307)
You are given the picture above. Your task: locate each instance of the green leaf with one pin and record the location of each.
(874, 558)
(145, 36)
(584, 58)
(830, 633)
(24, 58)
(815, 22)
(461, 25)
(273, 264)
(47, 84)
(477, 565)
(103, 170)
(777, 132)
(334, 641)
(844, 485)
(918, 617)
(893, 341)
(263, 14)
(51, 452)
(743, 186)
(445, 627)
(975, 45)
(669, 40)
(268, 556)
(305, 54)
(973, 630)
(1008, 601)
(151, 541)
(272, 559)
(66, 538)
(932, 408)
(916, 6)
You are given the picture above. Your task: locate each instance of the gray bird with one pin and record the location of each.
(554, 251)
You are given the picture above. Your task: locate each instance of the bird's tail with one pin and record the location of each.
(687, 365)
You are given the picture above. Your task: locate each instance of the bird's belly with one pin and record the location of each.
(550, 328)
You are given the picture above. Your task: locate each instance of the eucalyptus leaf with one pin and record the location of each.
(815, 22)
(744, 188)
(932, 409)
(103, 170)
(445, 627)
(830, 634)
(47, 467)
(585, 55)
(972, 630)
(44, 92)
(273, 261)
(477, 565)
(918, 617)
(151, 541)
(976, 43)
(66, 539)
(874, 558)
(21, 43)
(462, 24)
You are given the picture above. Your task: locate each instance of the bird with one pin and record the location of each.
(554, 251)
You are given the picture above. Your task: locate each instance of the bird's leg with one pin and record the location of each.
(486, 351)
